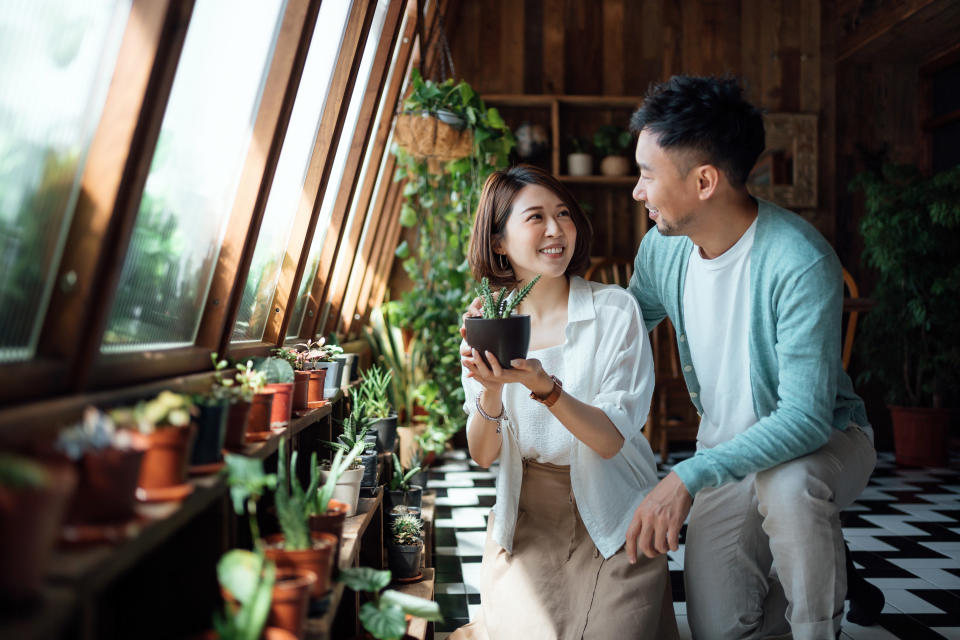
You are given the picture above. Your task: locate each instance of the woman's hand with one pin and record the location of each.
(529, 372)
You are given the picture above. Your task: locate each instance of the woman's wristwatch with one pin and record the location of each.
(551, 398)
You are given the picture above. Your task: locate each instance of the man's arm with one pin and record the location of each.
(642, 288)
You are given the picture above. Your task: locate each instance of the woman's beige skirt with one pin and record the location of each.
(556, 585)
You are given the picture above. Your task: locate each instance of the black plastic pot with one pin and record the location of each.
(412, 498)
(404, 560)
(505, 338)
(386, 429)
(211, 431)
(369, 461)
(419, 479)
(371, 438)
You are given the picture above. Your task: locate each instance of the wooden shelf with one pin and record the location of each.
(418, 627)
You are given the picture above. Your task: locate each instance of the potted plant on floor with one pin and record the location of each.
(579, 160)
(908, 342)
(384, 616)
(278, 376)
(359, 459)
(504, 335)
(401, 492)
(373, 399)
(614, 144)
(107, 461)
(165, 424)
(405, 547)
(33, 498)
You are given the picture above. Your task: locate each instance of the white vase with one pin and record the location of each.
(347, 489)
(579, 164)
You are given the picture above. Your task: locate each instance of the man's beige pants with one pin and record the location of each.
(765, 557)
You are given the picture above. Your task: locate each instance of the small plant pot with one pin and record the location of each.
(301, 389)
(412, 498)
(579, 164)
(282, 403)
(211, 433)
(319, 559)
(347, 360)
(318, 379)
(237, 418)
(920, 436)
(347, 490)
(106, 485)
(165, 460)
(332, 382)
(291, 599)
(369, 462)
(386, 429)
(30, 521)
(261, 411)
(331, 522)
(615, 166)
(505, 338)
(404, 560)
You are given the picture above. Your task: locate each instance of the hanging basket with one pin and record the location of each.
(424, 136)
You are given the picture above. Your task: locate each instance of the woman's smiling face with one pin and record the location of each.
(539, 236)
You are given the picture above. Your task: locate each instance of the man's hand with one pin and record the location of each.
(655, 527)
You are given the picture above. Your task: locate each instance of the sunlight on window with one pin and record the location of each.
(194, 175)
(58, 57)
(287, 188)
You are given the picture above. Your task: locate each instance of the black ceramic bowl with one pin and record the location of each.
(505, 338)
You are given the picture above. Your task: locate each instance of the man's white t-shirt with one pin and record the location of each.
(716, 315)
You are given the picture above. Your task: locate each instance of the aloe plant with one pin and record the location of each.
(401, 480)
(342, 461)
(502, 305)
(384, 616)
(249, 577)
(355, 428)
(294, 505)
(373, 394)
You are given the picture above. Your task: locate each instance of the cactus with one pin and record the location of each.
(503, 304)
(407, 530)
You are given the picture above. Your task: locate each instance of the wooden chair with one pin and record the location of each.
(672, 416)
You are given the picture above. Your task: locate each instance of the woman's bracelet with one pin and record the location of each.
(498, 419)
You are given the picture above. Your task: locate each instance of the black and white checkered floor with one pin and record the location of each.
(904, 533)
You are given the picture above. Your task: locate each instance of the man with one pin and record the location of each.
(755, 294)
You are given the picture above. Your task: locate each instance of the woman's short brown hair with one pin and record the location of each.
(493, 210)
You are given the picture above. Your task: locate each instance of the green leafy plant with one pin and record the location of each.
(247, 483)
(249, 578)
(911, 230)
(275, 370)
(611, 140)
(503, 304)
(313, 351)
(168, 409)
(373, 393)
(407, 530)
(291, 356)
(294, 505)
(400, 480)
(407, 376)
(384, 616)
(355, 428)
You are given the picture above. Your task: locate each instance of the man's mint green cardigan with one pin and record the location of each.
(800, 390)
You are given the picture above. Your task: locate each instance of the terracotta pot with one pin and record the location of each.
(615, 166)
(920, 436)
(319, 559)
(291, 600)
(301, 389)
(29, 525)
(282, 403)
(237, 419)
(211, 432)
(505, 338)
(106, 485)
(261, 410)
(318, 378)
(165, 461)
(331, 522)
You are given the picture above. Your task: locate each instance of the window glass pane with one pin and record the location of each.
(58, 57)
(193, 178)
(336, 175)
(287, 188)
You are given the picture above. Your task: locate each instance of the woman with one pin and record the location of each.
(574, 464)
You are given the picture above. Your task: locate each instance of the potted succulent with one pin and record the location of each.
(613, 144)
(353, 443)
(278, 376)
(405, 547)
(506, 336)
(301, 377)
(908, 342)
(384, 615)
(238, 391)
(33, 498)
(107, 461)
(320, 355)
(373, 398)
(165, 423)
(254, 592)
(400, 491)
(579, 160)
(326, 514)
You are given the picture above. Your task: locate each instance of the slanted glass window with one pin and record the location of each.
(58, 57)
(287, 189)
(194, 175)
(339, 163)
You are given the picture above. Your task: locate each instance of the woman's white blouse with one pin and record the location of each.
(607, 364)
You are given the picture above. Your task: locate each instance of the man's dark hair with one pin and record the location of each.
(707, 115)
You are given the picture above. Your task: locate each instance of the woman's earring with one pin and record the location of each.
(502, 262)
